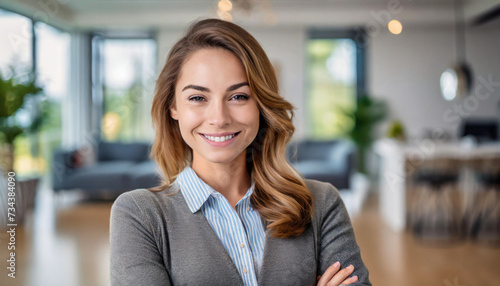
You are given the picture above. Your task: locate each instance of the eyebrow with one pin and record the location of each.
(206, 89)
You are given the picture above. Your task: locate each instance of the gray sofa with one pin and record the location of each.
(331, 161)
(121, 167)
(118, 167)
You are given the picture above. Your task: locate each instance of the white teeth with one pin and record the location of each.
(219, 139)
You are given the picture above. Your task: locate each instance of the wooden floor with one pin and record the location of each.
(69, 247)
(396, 259)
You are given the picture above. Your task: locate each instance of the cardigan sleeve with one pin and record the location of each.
(338, 242)
(134, 256)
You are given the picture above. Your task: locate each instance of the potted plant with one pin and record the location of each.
(396, 130)
(368, 113)
(15, 92)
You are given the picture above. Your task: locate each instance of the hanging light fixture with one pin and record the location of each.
(395, 27)
(249, 8)
(456, 81)
(224, 8)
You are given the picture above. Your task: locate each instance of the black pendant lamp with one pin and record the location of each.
(456, 81)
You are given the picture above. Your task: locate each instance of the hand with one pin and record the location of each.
(334, 277)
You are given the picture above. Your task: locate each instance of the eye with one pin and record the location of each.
(241, 97)
(196, 98)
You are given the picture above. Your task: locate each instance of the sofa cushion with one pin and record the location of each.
(311, 150)
(325, 172)
(116, 151)
(104, 175)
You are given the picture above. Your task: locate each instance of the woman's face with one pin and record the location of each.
(213, 99)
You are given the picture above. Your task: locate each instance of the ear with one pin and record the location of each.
(173, 112)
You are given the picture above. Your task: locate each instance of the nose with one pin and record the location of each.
(219, 114)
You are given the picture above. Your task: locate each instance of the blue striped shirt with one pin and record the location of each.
(241, 232)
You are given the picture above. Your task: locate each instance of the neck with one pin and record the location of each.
(230, 179)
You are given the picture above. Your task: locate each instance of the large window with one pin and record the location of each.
(127, 70)
(53, 71)
(16, 43)
(16, 60)
(335, 77)
(25, 47)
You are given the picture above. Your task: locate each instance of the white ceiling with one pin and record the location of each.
(94, 5)
(88, 14)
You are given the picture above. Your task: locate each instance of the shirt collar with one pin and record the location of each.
(196, 192)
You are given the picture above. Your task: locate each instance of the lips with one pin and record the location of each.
(220, 141)
(220, 134)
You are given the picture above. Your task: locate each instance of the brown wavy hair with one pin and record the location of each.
(280, 196)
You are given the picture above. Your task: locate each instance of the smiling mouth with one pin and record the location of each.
(221, 138)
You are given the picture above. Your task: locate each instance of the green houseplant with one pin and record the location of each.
(14, 93)
(368, 113)
(396, 130)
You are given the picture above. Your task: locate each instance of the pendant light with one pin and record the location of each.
(456, 81)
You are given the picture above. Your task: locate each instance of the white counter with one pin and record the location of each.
(393, 177)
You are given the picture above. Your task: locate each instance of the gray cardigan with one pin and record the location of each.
(156, 240)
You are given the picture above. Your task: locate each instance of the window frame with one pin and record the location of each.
(33, 34)
(97, 37)
(34, 46)
(357, 35)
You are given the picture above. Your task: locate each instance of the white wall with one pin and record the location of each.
(403, 69)
(285, 48)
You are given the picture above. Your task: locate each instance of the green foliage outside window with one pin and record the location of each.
(330, 87)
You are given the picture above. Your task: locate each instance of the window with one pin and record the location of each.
(127, 70)
(36, 47)
(16, 43)
(16, 60)
(53, 71)
(335, 77)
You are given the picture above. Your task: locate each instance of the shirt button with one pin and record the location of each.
(242, 245)
(248, 208)
(245, 270)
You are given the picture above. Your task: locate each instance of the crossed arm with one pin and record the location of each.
(338, 244)
(136, 259)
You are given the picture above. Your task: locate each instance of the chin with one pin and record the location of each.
(220, 159)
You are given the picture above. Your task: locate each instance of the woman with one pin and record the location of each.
(231, 210)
